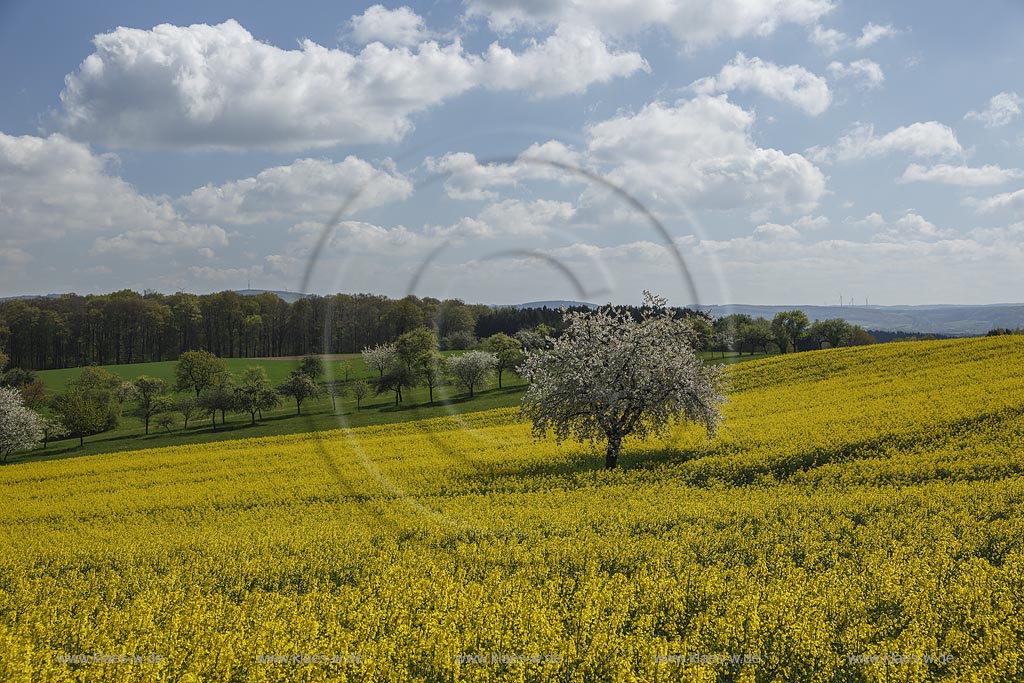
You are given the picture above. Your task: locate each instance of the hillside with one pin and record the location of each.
(859, 501)
(937, 319)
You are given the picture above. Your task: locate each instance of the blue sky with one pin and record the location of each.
(794, 150)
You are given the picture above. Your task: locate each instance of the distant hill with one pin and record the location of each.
(551, 304)
(290, 297)
(935, 319)
(28, 297)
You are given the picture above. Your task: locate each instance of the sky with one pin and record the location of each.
(501, 151)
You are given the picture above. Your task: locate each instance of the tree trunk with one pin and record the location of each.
(81, 440)
(611, 458)
(499, 377)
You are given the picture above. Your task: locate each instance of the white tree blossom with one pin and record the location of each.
(609, 376)
(471, 369)
(20, 428)
(380, 357)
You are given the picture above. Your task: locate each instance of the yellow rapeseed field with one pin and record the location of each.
(858, 519)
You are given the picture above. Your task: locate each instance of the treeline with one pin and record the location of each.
(128, 327)
(787, 331)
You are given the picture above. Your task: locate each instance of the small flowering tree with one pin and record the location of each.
(20, 428)
(609, 376)
(472, 369)
(380, 357)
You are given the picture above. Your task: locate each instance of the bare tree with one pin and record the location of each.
(609, 376)
(188, 406)
(360, 390)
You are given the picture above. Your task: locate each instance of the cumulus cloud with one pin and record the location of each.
(910, 226)
(306, 188)
(400, 26)
(516, 217)
(218, 87)
(1003, 109)
(1013, 201)
(694, 23)
(700, 152)
(468, 179)
(927, 139)
(142, 242)
(872, 33)
(868, 73)
(830, 40)
(510, 217)
(55, 187)
(963, 176)
(360, 237)
(568, 61)
(776, 231)
(792, 84)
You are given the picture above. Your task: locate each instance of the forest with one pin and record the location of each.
(128, 327)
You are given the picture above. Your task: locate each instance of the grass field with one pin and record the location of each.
(277, 370)
(859, 504)
(317, 414)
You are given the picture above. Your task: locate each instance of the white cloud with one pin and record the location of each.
(218, 87)
(400, 26)
(1007, 200)
(872, 33)
(306, 188)
(692, 22)
(537, 217)
(468, 179)
(830, 40)
(640, 252)
(143, 242)
(869, 73)
(910, 226)
(1002, 109)
(792, 84)
(811, 223)
(964, 176)
(776, 231)
(13, 256)
(517, 217)
(873, 221)
(804, 224)
(700, 151)
(568, 61)
(926, 139)
(54, 187)
(360, 237)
